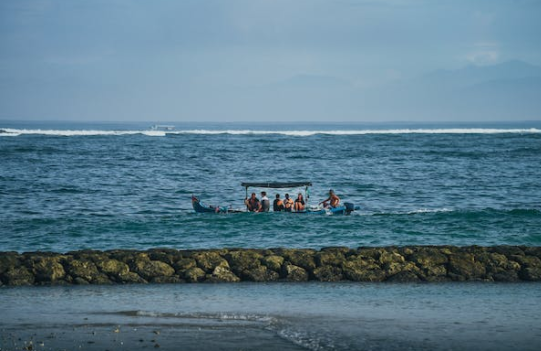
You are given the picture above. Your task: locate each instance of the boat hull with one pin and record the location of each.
(198, 207)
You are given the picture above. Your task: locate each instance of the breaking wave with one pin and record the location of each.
(300, 133)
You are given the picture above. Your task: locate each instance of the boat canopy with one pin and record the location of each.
(276, 185)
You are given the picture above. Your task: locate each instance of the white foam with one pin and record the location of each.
(427, 210)
(358, 132)
(300, 133)
(60, 132)
(211, 316)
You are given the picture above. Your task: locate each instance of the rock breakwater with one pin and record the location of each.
(365, 264)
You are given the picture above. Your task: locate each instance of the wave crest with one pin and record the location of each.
(300, 133)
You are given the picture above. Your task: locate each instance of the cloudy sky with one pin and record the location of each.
(250, 60)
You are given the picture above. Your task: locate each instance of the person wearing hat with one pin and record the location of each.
(333, 200)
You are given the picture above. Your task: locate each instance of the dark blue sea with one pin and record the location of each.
(101, 186)
(109, 186)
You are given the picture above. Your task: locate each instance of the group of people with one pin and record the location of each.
(253, 204)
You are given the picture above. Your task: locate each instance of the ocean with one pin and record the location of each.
(74, 186)
(79, 186)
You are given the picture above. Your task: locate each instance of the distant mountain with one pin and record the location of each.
(510, 90)
(472, 75)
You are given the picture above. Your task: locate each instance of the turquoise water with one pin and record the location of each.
(74, 186)
(309, 316)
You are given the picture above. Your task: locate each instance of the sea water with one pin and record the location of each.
(289, 316)
(75, 186)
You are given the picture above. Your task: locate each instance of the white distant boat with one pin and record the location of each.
(162, 127)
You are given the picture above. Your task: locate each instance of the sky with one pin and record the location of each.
(268, 60)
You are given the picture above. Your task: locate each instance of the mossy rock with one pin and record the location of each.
(243, 260)
(294, 273)
(388, 257)
(167, 280)
(260, 274)
(273, 262)
(47, 269)
(531, 274)
(302, 258)
(328, 274)
(428, 256)
(222, 275)
(462, 266)
(393, 268)
(18, 276)
(194, 275)
(149, 269)
(184, 264)
(209, 260)
(113, 267)
(131, 278)
(9, 260)
(86, 270)
(404, 277)
(169, 256)
(330, 258)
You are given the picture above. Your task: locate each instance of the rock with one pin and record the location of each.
(387, 257)
(194, 275)
(358, 269)
(169, 256)
(404, 277)
(9, 260)
(260, 274)
(427, 257)
(101, 279)
(273, 262)
(209, 260)
(533, 251)
(329, 258)
(531, 274)
(131, 278)
(222, 274)
(47, 269)
(431, 273)
(505, 276)
(462, 266)
(167, 280)
(498, 267)
(328, 273)
(244, 260)
(184, 264)
(527, 261)
(302, 258)
(508, 250)
(370, 252)
(392, 268)
(86, 270)
(80, 281)
(113, 267)
(149, 269)
(18, 276)
(294, 273)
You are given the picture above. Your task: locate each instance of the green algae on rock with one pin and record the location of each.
(364, 264)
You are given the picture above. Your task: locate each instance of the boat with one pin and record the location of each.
(162, 127)
(343, 208)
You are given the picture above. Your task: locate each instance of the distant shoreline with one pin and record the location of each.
(365, 264)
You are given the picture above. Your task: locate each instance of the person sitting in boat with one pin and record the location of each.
(252, 204)
(264, 204)
(333, 200)
(278, 204)
(299, 203)
(288, 203)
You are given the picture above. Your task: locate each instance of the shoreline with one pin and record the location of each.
(364, 264)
